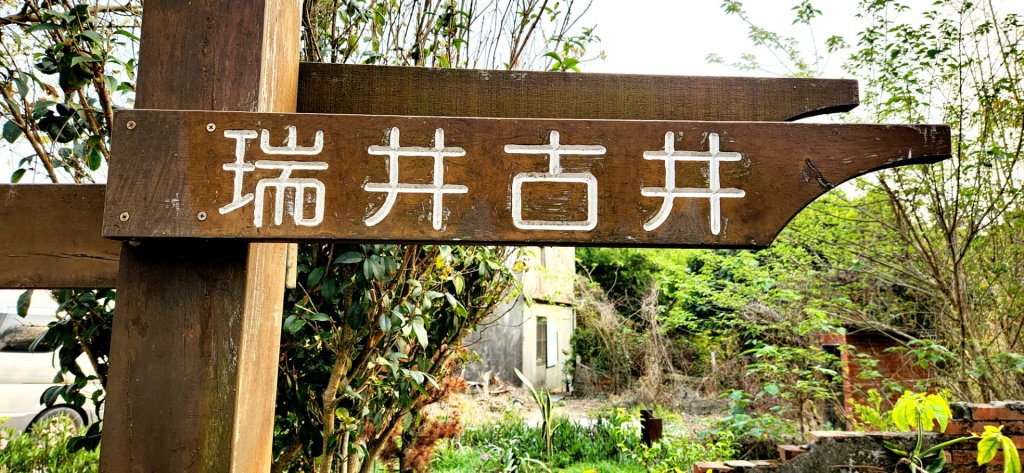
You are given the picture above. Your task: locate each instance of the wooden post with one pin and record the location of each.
(197, 329)
(650, 427)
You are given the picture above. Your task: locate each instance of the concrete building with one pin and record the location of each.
(532, 333)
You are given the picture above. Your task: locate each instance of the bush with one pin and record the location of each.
(610, 442)
(44, 449)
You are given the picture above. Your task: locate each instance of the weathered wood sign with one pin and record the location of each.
(36, 215)
(50, 237)
(393, 90)
(479, 180)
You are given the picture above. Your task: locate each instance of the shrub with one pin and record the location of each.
(45, 449)
(612, 438)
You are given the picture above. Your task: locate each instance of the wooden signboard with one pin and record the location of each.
(262, 176)
(34, 219)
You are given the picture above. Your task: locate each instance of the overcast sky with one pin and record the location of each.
(676, 36)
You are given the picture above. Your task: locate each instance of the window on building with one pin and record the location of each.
(542, 341)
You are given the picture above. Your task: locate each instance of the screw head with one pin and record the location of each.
(124, 216)
(130, 125)
(201, 216)
(210, 127)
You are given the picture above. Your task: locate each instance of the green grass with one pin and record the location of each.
(454, 459)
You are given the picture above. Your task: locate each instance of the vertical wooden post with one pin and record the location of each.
(196, 334)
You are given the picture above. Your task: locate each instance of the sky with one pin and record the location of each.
(675, 36)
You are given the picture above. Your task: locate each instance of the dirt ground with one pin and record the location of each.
(477, 409)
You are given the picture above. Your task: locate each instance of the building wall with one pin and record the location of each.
(560, 324)
(511, 341)
(499, 344)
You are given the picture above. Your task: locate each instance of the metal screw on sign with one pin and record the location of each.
(130, 125)
(201, 216)
(124, 216)
(210, 127)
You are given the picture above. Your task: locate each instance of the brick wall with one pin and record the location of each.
(969, 418)
(893, 365)
(863, 451)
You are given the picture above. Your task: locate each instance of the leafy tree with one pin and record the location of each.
(949, 235)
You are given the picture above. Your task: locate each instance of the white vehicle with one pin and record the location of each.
(25, 375)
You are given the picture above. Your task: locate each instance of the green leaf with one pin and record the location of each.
(938, 465)
(319, 317)
(459, 282)
(988, 446)
(41, 27)
(901, 412)
(314, 276)
(329, 288)
(420, 331)
(93, 36)
(384, 321)
(459, 308)
(1011, 458)
(24, 300)
(127, 35)
(40, 107)
(772, 389)
(939, 410)
(50, 396)
(95, 158)
(293, 324)
(80, 59)
(11, 131)
(17, 175)
(20, 85)
(348, 258)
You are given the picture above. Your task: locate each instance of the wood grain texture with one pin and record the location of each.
(782, 168)
(197, 332)
(389, 90)
(51, 238)
(359, 89)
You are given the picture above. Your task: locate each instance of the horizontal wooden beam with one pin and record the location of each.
(50, 238)
(59, 245)
(418, 91)
(360, 178)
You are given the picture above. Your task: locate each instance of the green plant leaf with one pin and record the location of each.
(11, 131)
(420, 331)
(939, 411)
(92, 35)
(314, 277)
(95, 158)
(293, 324)
(24, 300)
(41, 27)
(988, 446)
(80, 59)
(348, 258)
(17, 175)
(459, 282)
(319, 317)
(127, 35)
(1011, 457)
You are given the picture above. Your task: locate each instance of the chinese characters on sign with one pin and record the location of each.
(282, 184)
(300, 191)
(438, 188)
